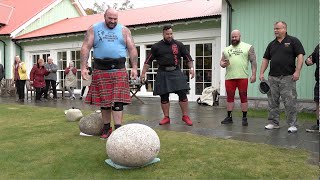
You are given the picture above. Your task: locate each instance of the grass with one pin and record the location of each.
(38, 143)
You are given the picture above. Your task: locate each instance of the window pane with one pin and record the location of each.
(199, 88)
(207, 63)
(208, 49)
(199, 76)
(207, 76)
(199, 63)
(199, 49)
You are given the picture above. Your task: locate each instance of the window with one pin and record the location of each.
(152, 72)
(203, 67)
(75, 58)
(62, 65)
(184, 65)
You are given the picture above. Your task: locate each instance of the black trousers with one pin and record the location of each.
(39, 92)
(83, 90)
(20, 88)
(54, 88)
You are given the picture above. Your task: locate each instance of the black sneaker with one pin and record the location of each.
(244, 121)
(227, 120)
(314, 128)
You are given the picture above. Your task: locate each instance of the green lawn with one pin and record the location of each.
(38, 143)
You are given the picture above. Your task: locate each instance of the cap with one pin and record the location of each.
(264, 87)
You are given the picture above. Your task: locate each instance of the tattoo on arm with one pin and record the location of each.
(253, 59)
(133, 54)
(86, 46)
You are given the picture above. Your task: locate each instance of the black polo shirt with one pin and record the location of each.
(283, 55)
(168, 53)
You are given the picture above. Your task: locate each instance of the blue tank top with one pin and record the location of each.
(108, 43)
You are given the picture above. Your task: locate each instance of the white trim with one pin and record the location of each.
(78, 7)
(34, 18)
(224, 35)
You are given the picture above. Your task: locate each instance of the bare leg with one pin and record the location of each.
(230, 106)
(106, 116)
(117, 117)
(165, 109)
(244, 107)
(184, 108)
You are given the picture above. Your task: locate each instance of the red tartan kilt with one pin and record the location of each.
(108, 87)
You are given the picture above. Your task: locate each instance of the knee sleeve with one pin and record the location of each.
(243, 96)
(105, 108)
(182, 96)
(164, 98)
(118, 106)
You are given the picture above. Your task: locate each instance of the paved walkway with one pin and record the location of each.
(207, 122)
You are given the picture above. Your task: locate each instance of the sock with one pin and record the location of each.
(244, 114)
(116, 126)
(106, 127)
(229, 113)
(318, 122)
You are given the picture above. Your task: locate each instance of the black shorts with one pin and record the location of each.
(316, 92)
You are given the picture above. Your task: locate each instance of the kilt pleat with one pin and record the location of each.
(170, 81)
(108, 87)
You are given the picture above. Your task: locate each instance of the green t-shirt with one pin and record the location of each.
(239, 59)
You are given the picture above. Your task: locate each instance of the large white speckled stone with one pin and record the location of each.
(91, 124)
(133, 145)
(73, 115)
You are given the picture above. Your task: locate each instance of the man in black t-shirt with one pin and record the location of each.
(311, 60)
(170, 79)
(282, 53)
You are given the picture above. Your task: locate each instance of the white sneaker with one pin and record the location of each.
(292, 129)
(272, 126)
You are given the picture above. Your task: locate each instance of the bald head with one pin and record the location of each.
(235, 37)
(111, 18)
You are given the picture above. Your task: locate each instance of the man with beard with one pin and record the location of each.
(282, 53)
(109, 88)
(170, 79)
(235, 58)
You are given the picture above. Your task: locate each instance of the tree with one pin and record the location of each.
(90, 11)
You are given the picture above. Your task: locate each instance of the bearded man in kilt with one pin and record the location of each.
(170, 79)
(110, 82)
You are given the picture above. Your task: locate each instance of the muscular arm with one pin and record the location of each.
(86, 47)
(133, 54)
(253, 61)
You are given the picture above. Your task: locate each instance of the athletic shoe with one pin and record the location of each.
(292, 129)
(272, 126)
(106, 134)
(244, 121)
(187, 120)
(314, 128)
(227, 120)
(165, 120)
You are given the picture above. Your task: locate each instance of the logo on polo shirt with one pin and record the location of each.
(286, 44)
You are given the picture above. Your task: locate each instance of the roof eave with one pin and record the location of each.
(135, 26)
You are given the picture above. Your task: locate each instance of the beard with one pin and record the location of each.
(235, 42)
(111, 25)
